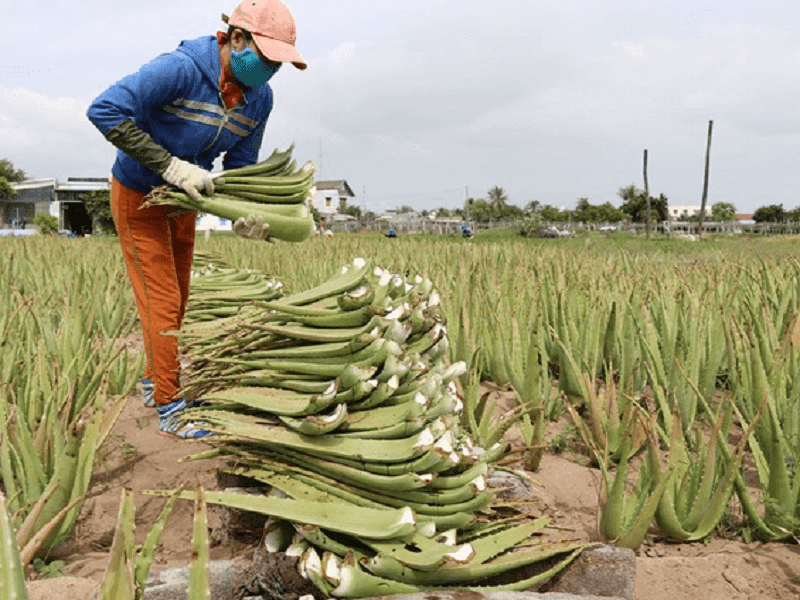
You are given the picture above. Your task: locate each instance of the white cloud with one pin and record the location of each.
(553, 99)
(50, 137)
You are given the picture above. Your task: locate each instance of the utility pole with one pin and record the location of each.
(705, 182)
(647, 199)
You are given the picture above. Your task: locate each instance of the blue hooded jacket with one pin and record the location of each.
(175, 99)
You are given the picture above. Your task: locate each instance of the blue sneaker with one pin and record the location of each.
(168, 422)
(148, 391)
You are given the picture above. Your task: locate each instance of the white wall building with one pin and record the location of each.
(681, 213)
(331, 196)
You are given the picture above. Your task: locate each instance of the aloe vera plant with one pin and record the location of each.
(12, 583)
(58, 371)
(626, 516)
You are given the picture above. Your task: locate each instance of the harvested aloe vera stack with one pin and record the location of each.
(342, 399)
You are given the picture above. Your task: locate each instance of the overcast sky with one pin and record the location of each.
(424, 102)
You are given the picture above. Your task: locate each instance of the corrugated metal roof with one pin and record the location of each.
(33, 192)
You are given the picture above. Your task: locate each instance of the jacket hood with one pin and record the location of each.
(204, 51)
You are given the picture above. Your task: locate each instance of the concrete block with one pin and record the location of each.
(172, 584)
(509, 486)
(600, 571)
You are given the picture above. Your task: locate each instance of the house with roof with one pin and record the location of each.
(52, 197)
(331, 196)
(33, 197)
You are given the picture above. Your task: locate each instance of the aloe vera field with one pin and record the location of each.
(647, 390)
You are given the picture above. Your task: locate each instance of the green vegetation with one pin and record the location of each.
(46, 223)
(688, 352)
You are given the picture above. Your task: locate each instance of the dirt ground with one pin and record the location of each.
(136, 457)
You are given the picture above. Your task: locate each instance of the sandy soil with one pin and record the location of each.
(136, 457)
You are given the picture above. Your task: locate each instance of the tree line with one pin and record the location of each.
(496, 206)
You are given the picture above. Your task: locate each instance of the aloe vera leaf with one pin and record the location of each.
(482, 565)
(351, 318)
(7, 471)
(31, 472)
(356, 583)
(317, 537)
(362, 389)
(535, 579)
(318, 424)
(636, 529)
(40, 538)
(371, 414)
(301, 485)
(666, 515)
(199, 576)
(351, 278)
(277, 534)
(325, 350)
(274, 162)
(83, 476)
(425, 463)
(490, 546)
(428, 507)
(373, 353)
(145, 556)
(454, 480)
(368, 523)
(314, 334)
(268, 379)
(361, 296)
(110, 416)
(373, 356)
(705, 489)
(26, 530)
(453, 574)
(355, 476)
(279, 402)
(384, 451)
(399, 430)
(12, 582)
(310, 567)
(421, 553)
(118, 582)
(65, 473)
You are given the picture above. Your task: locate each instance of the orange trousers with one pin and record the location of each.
(158, 253)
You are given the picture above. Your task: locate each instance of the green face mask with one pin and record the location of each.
(249, 69)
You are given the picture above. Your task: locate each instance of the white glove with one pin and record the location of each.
(190, 178)
(252, 227)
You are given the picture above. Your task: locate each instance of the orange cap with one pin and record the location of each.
(272, 26)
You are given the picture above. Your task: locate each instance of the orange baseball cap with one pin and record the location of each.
(272, 26)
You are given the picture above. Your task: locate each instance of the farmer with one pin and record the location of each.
(170, 121)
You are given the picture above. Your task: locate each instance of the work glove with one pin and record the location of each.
(252, 227)
(190, 178)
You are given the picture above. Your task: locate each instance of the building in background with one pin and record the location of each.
(52, 197)
(681, 213)
(331, 197)
(33, 197)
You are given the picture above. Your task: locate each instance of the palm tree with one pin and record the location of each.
(498, 200)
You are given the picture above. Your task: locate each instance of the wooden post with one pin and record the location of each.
(705, 182)
(647, 198)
